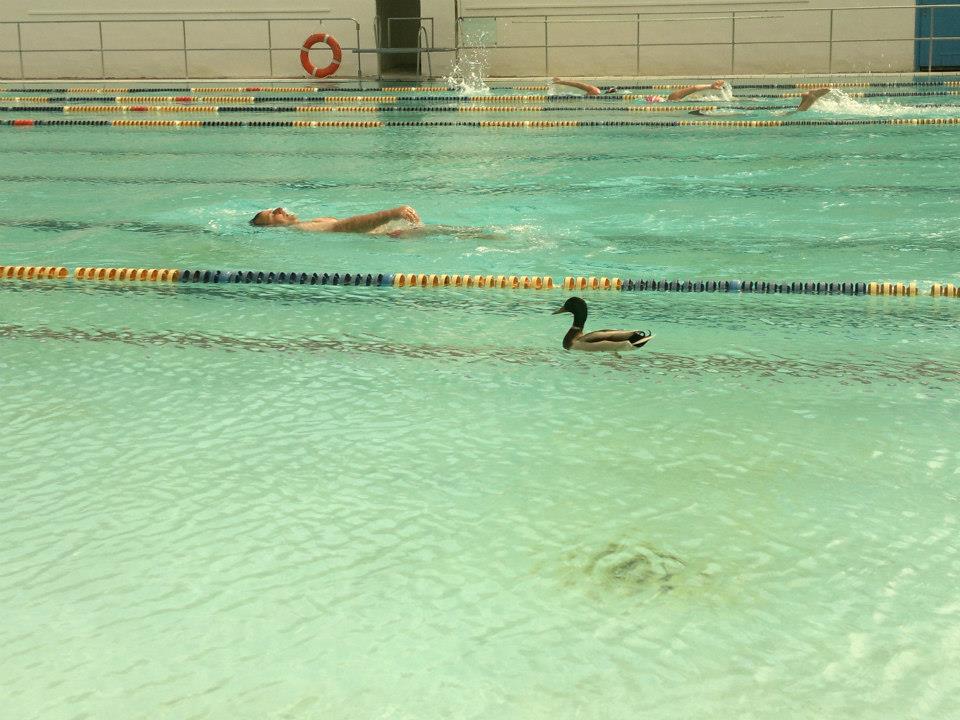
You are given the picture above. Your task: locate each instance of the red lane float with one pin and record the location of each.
(305, 55)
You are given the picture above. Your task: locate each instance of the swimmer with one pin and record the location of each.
(675, 95)
(807, 101)
(370, 223)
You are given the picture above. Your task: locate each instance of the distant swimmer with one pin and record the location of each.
(675, 95)
(377, 223)
(370, 223)
(807, 100)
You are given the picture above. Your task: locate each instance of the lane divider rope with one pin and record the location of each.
(32, 272)
(419, 89)
(30, 122)
(239, 99)
(74, 109)
(504, 282)
(385, 99)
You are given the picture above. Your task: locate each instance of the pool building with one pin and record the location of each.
(305, 471)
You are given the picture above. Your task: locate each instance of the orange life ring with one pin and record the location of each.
(305, 55)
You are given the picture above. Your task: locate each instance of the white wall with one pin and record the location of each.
(694, 38)
(142, 38)
(146, 38)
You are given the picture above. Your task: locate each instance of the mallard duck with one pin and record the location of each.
(598, 340)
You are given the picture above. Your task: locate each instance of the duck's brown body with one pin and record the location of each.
(604, 340)
(598, 340)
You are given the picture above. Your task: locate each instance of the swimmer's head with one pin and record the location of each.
(276, 216)
(611, 90)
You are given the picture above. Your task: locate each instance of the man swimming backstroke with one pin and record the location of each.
(375, 222)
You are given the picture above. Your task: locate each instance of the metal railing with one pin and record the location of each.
(424, 39)
(734, 37)
(642, 20)
(183, 46)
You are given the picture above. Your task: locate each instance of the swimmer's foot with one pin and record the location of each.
(810, 97)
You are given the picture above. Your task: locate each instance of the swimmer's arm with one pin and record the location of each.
(587, 88)
(418, 231)
(371, 221)
(454, 231)
(689, 90)
(810, 97)
(315, 225)
(425, 230)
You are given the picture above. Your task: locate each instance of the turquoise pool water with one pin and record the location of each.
(297, 502)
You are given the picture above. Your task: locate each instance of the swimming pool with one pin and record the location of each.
(295, 501)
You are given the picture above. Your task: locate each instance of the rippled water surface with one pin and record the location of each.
(306, 502)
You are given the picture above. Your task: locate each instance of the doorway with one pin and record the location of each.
(398, 26)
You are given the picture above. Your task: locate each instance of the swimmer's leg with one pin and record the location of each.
(454, 231)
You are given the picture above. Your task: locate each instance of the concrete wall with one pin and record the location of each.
(692, 38)
(142, 38)
(261, 39)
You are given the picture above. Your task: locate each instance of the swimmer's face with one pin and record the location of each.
(277, 216)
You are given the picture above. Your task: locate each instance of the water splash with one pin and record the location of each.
(722, 94)
(837, 102)
(469, 72)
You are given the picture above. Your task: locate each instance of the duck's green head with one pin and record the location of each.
(578, 307)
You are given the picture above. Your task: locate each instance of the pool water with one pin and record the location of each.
(294, 502)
